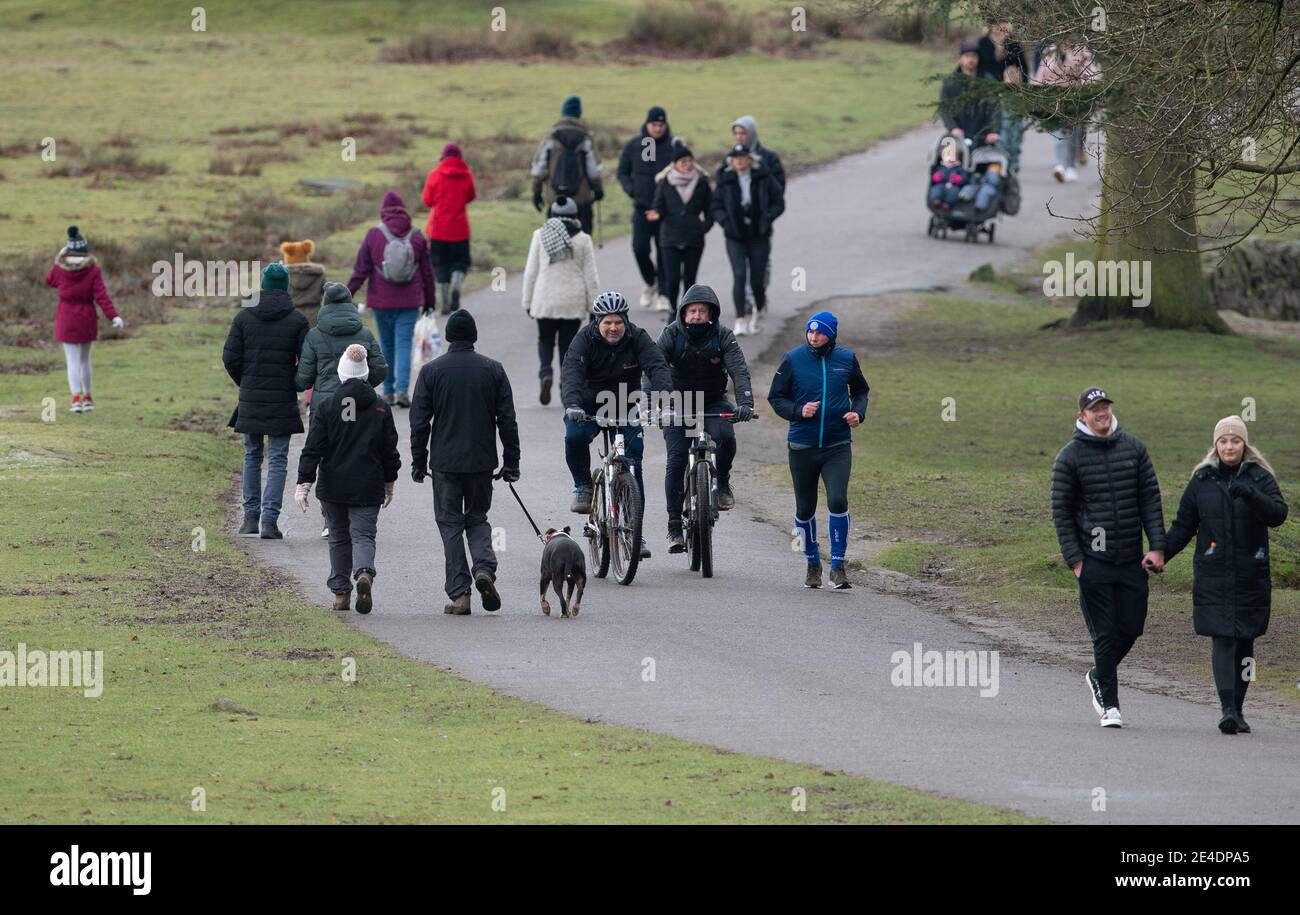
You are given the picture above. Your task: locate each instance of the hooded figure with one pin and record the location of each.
(416, 292)
(762, 155)
(448, 190)
(566, 164)
(338, 326)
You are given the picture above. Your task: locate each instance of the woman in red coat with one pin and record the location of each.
(80, 282)
(448, 190)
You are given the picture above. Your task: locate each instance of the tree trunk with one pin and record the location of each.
(1179, 294)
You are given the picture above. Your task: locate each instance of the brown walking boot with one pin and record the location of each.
(364, 583)
(341, 602)
(459, 606)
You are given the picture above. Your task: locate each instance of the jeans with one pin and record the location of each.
(460, 505)
(644, 234)
(577, 451)
(748, 259)
(547, 330)
(1068, 143)
(1013, 131)
(1113, 599)
(352, 542)
(678, 445)
(257, 501)
(396, 332)
(680, 268)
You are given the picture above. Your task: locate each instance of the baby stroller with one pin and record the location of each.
(969, 200)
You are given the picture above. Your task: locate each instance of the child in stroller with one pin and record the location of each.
(968, 188)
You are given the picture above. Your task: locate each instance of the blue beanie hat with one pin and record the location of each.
(275, 276)
(823, 321)
(572, 107)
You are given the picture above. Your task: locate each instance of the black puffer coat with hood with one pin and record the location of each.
(703, 356)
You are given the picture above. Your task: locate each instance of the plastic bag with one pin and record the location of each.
(426, 343)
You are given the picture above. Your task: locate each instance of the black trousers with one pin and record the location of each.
(680, 266)
(678, 445)
(748, 261)
(644, 234)
(584, 216)
(460, 504)
(832, 467)
(547, 331)
(1226, 657)
(1113, 599)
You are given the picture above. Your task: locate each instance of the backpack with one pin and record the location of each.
(567, 171)
(398, 265)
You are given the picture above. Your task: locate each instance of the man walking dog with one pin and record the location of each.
(1104, 496)
(462, 402)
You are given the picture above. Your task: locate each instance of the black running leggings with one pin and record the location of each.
(832, 466)
(1226, 657)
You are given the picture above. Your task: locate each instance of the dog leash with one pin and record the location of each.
(536, 530)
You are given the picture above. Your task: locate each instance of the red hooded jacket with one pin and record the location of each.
(79, 290)
(447, 191)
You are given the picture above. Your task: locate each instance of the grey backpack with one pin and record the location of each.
(398, 265)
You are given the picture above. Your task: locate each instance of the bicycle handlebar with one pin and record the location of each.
(656, 419)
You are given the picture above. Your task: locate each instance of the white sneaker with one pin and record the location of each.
(648, 296)
(1110, 718)
(1071, 175)
(662, 303)
(742, 327)
(324, 534)
(1058, 173)
(755, 322)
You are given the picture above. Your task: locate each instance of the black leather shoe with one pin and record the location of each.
(271, 531)
(251, 526)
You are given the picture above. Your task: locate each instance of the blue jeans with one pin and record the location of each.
(257, 501)
(577, 451)
(396, 331)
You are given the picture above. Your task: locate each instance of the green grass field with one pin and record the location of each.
(970, 495)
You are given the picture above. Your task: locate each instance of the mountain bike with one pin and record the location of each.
(613, 530)
(700, 498)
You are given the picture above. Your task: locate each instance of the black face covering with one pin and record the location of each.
(697, 333)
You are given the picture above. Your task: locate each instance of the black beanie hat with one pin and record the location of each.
(77, 245)
(681, 152)
(461, 327)
(335, 292)
(656, 114)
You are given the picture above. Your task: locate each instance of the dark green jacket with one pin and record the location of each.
(338, 326)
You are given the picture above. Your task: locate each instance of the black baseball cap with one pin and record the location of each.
(1092, 396)
(740, 149)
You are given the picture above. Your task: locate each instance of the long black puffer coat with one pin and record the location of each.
(1106, 483)
(1229, 511)
(261, 356)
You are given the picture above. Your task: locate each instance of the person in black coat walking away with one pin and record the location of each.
(353, 443)
(1229, 505)
(967, 106)
(1104, 496)
(683, 209)
(462, 402)
(747, 201)
(644, 157)
(261, 356)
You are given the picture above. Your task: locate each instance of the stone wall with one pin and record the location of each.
(1260, 279)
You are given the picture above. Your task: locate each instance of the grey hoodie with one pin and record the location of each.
(762, 155)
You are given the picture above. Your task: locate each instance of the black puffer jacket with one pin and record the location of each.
(704, 356)
(462, 400)
(261, 356)
(1231, 588)
(683, 223)
(353, 442)
(592, 366)
(637, 174)
(767, 202)
(1106, 483)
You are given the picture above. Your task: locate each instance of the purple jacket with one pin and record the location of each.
(380, 293)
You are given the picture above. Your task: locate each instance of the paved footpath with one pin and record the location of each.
(749, 660)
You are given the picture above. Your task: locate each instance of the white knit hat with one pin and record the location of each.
(352, 364)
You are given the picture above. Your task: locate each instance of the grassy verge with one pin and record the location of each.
(969, 495)
(98, 532)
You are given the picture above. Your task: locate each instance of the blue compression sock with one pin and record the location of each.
(839, 529)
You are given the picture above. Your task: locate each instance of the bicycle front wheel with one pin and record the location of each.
(625, 527)
(704, 517)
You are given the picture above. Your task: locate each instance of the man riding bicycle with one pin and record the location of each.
(601, 373)
(703, 355)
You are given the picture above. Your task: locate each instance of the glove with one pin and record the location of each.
(300, 495)
(388, 492)
(418, 472)
(426, 311)
(575, 415)
(598, 193)
(538, 203)
(118, 322)
(510, 474)
(744, 413)
(1241, 489)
